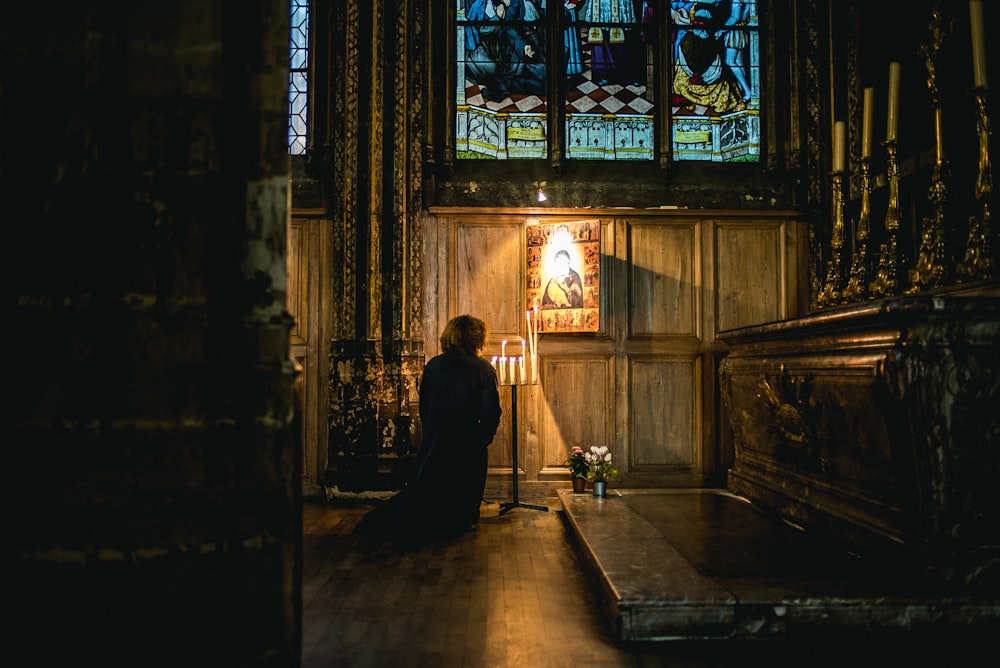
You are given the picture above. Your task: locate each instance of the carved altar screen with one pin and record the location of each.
(564, 275)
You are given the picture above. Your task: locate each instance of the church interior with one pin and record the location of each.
(233, 257)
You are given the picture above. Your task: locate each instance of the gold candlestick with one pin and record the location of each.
(886, 280)
(978, 261)
(929, 269)
(831, 294)
(857, 282)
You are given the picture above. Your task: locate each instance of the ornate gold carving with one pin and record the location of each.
(831, 290)
(792, 421)
(929, 268)
(887, 275)
(978, 260)
(857, 283)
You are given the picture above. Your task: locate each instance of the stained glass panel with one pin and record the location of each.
(715, 94)
(609, 48)
(501, 98)
(298, 79)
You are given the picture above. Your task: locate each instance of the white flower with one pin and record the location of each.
(607, 457)
(600, 451)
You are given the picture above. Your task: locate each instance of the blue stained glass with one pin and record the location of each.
(298, 76)
(610, 51)
(715, 94)
(501, 99)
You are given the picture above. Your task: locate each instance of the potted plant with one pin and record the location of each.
(579, 467)
(600, 468)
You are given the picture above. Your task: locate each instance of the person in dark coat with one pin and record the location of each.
(460, 413)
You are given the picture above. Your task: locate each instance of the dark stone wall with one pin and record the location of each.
(150, 467)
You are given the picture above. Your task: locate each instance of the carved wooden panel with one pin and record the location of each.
(308, 243)
(664, 279)
(749, 274)
(295, 285)
(486, 260)
(577, 407)
(664, 420)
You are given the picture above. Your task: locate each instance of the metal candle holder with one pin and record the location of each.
(857, 282)
(929, 265)
(830, 294)
(886, 281)
(929, 268)
(978, 261)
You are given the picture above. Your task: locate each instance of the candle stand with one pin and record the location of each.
(516, 502)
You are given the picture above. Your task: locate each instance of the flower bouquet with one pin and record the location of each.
(579, 469)
(577, 463)
(600, 468)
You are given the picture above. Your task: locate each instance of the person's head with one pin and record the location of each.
(562, 262)
(464, 333)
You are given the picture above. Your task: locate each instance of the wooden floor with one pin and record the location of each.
(511, 593)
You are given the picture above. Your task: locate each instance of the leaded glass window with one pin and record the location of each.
(610, 79)
(298, 76)
(715, 82)
(502, 109)
(612, 61)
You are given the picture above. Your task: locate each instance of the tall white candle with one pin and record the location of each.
(503, 349)
(892, 122)
(866, 122)
(839, 146)
(978, 43)
(535, 330)
(527, 319)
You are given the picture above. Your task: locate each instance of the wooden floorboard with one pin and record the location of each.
(513, 592)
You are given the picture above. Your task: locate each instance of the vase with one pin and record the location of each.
(600, 488)
(579, 484)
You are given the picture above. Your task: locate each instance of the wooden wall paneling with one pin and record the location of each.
(484, 285)
(295, 293)
(481, 253)
(664, 279)
(578, 406)
(750, 273)
(665, 413)
(307, 242)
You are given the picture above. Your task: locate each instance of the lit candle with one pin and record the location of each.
(503, 371)
(978, 48)
(866, 123)
(520, 364)
(839, 145)
(503, 349)
(892, 124)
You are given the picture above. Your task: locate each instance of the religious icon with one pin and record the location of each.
(564, 275)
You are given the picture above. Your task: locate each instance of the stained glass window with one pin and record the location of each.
(715, 82)
(611, 56)
(609, 48)
(298, 76)
(501, 96)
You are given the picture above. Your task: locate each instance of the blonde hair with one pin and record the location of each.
(465, 333)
